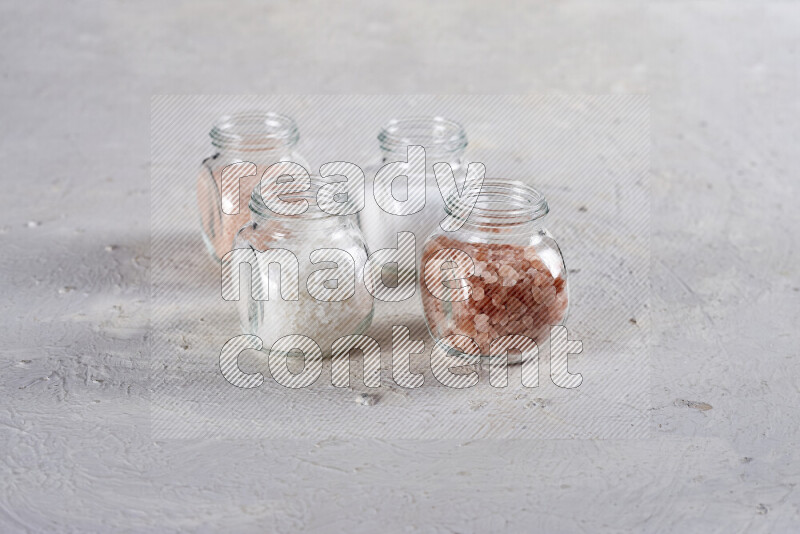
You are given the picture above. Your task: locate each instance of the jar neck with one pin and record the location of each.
(311, 220)
(259, 157)
(297, 225)
(254, 135)
(455, 160)
(507, 230)
(501, 208)
(444, 140)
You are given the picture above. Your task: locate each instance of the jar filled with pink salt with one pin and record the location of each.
(246, 144)
(507, 274)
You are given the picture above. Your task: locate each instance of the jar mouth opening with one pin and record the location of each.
(254, 130)
(499, 203)
(275, 190)
(436, 134)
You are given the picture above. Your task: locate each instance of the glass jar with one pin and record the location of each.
(259, 137)
(324, 310)
(518, 281)
(444, 141)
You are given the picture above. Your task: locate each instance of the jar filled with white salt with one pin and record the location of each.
(500, 274)
(306, 269)
(444, 141)
(245, 144)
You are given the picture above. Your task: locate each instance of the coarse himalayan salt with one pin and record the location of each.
(293, 302)
(529, 306)
(320, 320)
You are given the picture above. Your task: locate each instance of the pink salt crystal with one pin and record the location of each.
(502, 317)
(482, 322)
(489, 276)
(538, 294)
(482, 338)
(514, 305)
(477, 293)
(507, 271)
(530, 254)
(517, 313)
(509, 282)
(540, 279)
(549, 294)
(538, 265)
(527, 320)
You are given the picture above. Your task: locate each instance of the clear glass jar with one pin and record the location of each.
(313, 315)
(259, 137)
(519, 283)
(444, 141)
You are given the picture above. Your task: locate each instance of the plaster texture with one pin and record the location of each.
(75, 436)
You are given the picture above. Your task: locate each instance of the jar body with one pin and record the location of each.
(319, 319)
(444, 141)
(381, 228)
(262, 138)
(518, 286)
(215, 202)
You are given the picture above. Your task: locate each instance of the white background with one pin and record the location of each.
(74, 418)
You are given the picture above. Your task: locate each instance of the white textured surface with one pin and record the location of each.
(74, 418)
(585, 153)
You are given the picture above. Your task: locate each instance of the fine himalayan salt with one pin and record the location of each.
(219, 228)
(513, 292)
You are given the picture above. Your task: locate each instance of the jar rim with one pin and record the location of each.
(499, 202)
(251, 130)
(312, 212)
(437, 134)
